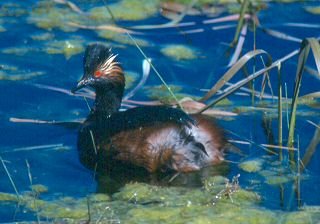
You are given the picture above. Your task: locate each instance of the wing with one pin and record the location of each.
(141, 117)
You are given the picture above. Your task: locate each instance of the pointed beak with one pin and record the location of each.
(82, 83)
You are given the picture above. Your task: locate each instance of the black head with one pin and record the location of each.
(101, 70)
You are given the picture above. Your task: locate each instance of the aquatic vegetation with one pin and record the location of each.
(302, 217)
(12, 10)
(143, 203)
(2, 29)
(39, 188)
(252, 165)
(42, 36)
(134, 9)
(13, 73)
(20, 51)
(100, 14)
(313, 10)
(179, 52)
(18, 76)
(68, 47)
(277, 180)
(120, 38)
(124, 10)
(8, 197)
(47, 15)
(131, 78)
(161, 93)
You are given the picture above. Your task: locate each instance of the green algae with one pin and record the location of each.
(99, 198)
(131, 10)
(121, 38)
(134, 9)
(39, 188)
(8, 197)
(214, 182)
(19, 77)
(131, 78)
(153, 215)
(13, 73)
(47, 15)
(277, 180)
(42, 36)
(19, 51)
(251, 166)
(313, 10)
(144, 203)
(100, 14)
(2, 29)
(67, 47)
(173, 196)
(179, 52)
(267, 173)
(161, 93)
(12, 10)
(301, 217)
(289, 1)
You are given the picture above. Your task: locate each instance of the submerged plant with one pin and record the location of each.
(179, 52)
(68, 47)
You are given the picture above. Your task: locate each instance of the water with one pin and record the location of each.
(54, 162)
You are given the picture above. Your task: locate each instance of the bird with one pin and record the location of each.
(156, 138)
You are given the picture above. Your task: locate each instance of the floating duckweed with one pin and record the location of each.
(174, 196)
(59, 211)
(186, 205)
(254, 215)
(153, 215)
(12, 10)
(9, 68)
(33, 203)
(8, 197)
(288, 1)
(17, 77)
(20, 51)
(161, 93)
(42, 36)
(12, 73)
(200, 2)
(216, 183)
(251, 166)
(99, 198)
(313, 10)
(277, 180)
(68, 48)
(2, 29)
(301, 217)
(39, 188)
(125, 10)
(311, 209)
(100, 14)
(242, 196)
(179, 52)
(121, 38)
(224, 102)
(137, 192)
(131, 78)
(47, 16)
(134, 9)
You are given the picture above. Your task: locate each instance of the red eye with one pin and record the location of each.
(97, 73)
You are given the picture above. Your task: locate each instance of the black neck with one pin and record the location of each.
(108, 100)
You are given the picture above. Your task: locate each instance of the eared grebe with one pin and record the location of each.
(158, 138)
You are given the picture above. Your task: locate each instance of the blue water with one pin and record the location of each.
(58, 168)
